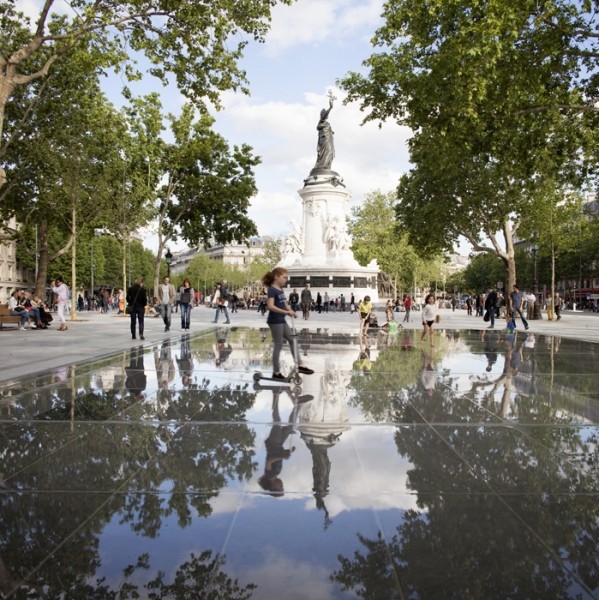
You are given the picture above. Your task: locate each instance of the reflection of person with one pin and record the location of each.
(363, 363)
(279, 329)
(135, 380)
(165, 367)
(137, 298)
(222, 349)
(427, 375)
(185, 361)
(490, 351)
(325, 150)
(275, 452)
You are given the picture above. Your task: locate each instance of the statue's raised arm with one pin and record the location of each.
(325, 150)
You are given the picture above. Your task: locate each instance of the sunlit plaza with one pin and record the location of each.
(467, 469)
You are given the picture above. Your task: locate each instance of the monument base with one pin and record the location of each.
(324, 259)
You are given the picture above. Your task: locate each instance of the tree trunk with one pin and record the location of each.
(509, 259)
(42, 271)
(74, 263)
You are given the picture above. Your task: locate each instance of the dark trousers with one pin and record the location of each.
(137, 313)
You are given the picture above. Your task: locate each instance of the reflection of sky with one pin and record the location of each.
(290, 543)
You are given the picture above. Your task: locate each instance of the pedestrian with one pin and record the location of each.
(137, 298)
(517, 298)
(186, 295)
(278, 309)
(352, 304)
(61, 290)
(220, 300)
(168, 297)
(364, 310)
(429, 316)
(294, 300)
(306, 299)
(490, 304)
(559, 303)
(407, 304)
(319, 303)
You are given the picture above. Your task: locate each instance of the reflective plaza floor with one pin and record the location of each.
(467, 469)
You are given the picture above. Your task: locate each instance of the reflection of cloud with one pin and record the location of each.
(225, 503)
(299, 580)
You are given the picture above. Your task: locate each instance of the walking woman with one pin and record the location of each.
(186, 296)
(278, 309)
(62, 292)
(137, 298)
(429, 316)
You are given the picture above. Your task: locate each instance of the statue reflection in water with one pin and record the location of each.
(321, 423)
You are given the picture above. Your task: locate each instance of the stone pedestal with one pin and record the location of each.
(324, 258)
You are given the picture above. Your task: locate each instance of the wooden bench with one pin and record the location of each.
(6, 317)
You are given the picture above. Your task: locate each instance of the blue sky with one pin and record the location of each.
(311, 44)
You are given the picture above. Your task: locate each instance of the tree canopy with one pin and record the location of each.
(502, 99)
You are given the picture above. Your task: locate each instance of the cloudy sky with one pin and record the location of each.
(311, 44)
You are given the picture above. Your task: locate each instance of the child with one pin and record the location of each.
(278, 309)
(429, 315)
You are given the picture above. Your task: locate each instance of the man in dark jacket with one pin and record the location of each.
(137, 298)
(490, 303)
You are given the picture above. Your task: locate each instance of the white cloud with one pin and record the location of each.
(32, 8)
(284, 135)
(312, 22)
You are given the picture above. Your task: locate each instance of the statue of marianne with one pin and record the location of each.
(325, 151)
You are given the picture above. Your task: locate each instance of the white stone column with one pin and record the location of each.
(320, 203)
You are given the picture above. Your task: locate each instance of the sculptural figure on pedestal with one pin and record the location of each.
(325, 150)
(336, 236)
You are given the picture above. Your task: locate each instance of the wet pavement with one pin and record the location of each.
(467, 469)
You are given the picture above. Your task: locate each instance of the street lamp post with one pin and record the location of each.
(168, 257)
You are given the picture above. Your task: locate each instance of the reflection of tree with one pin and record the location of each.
(190, 461)
(202, 576)
(477, 535)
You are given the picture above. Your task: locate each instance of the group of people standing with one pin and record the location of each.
(137, 300)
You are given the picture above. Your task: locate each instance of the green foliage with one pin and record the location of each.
(376, 236)
(494, 95)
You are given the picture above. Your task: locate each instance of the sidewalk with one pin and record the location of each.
(95, 334)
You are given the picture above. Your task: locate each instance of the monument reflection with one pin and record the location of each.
(464, 470)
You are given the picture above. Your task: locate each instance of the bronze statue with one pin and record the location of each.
(325, 151)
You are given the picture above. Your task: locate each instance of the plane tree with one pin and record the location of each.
(196, 45)
(501, 97)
